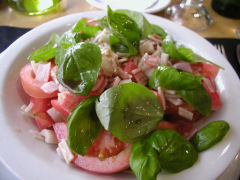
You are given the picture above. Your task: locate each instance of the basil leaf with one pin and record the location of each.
(198, 98)
(84, 31)
(83, 126)
(158, 30)
(144, 160)
(125, 29)
(129, 111)
(170, 78)
(79, 70)
(47, 51)
(140, 20)
(116, 45)
(179, 52)
(210, 135)
(66, 41)
(175, 152)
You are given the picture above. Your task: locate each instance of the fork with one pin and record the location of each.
(221, 49)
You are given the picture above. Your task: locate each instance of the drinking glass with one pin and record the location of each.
(33, 7)
(190, 13)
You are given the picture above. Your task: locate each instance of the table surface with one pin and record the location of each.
(221, 28)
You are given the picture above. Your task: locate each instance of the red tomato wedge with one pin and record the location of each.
(32, 86)
(116, 152)
(109, 165)
(167, 125)
(43, 120)
(209, 70)
(40, 104)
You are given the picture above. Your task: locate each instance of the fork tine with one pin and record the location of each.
(223, 50)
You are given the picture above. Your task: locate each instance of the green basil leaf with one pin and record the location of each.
(144, 161)
(79, 70)
(158, 30)
(170, 78)
(83, 126)
(175, 152)
(198, 98)
(47, 51)
(210, 135)
(84, 31)
(116, 45)
(125, 29)
(140, 20)
(179, 52)
(65, 41)
(129, 111)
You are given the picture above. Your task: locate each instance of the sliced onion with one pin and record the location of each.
(43, 72)
(161, 94)
(185, 66)
(116, 81)
(164, 58)
(55, 115)
(185, 113)
(125, 81)
(49, 136)
(65, 151)
(49, 87)
(175, 101)
(98, 83)
(209, 84)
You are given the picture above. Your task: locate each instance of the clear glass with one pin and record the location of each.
(33, 7)
(190, 13)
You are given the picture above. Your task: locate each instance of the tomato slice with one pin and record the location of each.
(167, 125)
(209, 70)
(40, 104)
(109, 165)
(115, 153)
(43, 120)
(32, 86)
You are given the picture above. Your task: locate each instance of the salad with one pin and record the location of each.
(119, 92)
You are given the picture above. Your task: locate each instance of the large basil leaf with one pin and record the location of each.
(83, 126)
(129, 111)
(79, 70)
(158, 30)
(210, 135)
(47, 51)
(140, 20)
(144, 161)
(170, 78)
(179, 52)
(198, 98)
(125, 29)
(175, 152)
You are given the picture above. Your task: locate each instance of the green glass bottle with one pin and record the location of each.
(227, 8)
(33, 7)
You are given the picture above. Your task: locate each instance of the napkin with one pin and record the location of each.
(9, 34)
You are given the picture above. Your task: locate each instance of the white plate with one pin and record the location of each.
(31, 159)
(151, 6)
